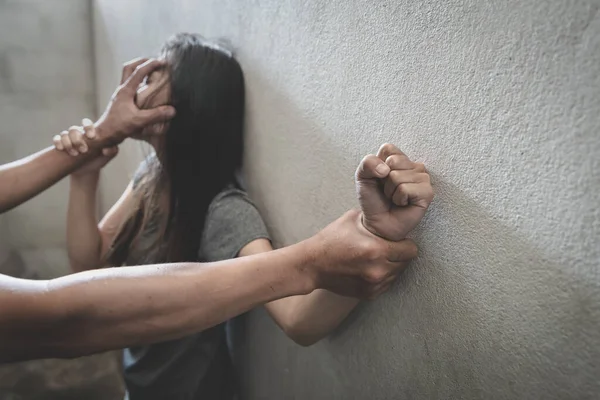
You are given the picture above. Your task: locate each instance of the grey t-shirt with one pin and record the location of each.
(196, 367)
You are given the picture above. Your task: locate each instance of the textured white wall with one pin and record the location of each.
(46, 85)
(500, 99)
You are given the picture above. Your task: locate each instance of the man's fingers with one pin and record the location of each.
(156, 115)
(142, 71)
(130, 66)
(371, 167)
(402, 252)
(387, 150)
(417, 194)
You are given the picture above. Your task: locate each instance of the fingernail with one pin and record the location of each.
(87, 122)
(170, 112)
(83, 149)
(382, 169)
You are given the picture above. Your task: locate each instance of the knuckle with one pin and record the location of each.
(363, 164)
(395, 176)
(367, 158)
(397, 160)
(400, 189)
(387, 148)
(375, 276)
(430, 195)
(371, 252)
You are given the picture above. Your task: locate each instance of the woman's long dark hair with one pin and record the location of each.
(201, 151)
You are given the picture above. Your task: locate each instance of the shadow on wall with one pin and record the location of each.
(525, 330)
(469, 321)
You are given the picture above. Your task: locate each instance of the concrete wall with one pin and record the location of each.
(46, 85)
(500, 99)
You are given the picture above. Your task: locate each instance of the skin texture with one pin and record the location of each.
(31, 175)
(305, 319)
(113, 308)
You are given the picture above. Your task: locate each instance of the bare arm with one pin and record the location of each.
(309, 318)
(391, 213)
(23, 179)
(84, 243)
(113, 308)
(88, 241)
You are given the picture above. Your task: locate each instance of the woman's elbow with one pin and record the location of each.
(301, 336)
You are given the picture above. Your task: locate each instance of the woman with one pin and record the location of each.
(185, 204)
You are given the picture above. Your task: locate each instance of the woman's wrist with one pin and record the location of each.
(85, 178)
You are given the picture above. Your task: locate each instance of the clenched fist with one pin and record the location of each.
(394, 192)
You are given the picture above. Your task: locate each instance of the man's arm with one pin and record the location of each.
(306, 319)
(113, 308)
(23, 179)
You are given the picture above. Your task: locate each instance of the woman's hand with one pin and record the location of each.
(73, 143)
(393, 191)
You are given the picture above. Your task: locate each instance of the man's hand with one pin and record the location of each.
(350, 261)
(122, 117)
(73, 143)
(394, 192)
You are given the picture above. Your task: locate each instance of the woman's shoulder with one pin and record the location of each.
(232, 195)
(232, 222)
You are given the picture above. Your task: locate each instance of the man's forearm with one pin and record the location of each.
(114, 308)
(25, 178)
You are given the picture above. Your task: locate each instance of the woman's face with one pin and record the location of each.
(153, 92)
